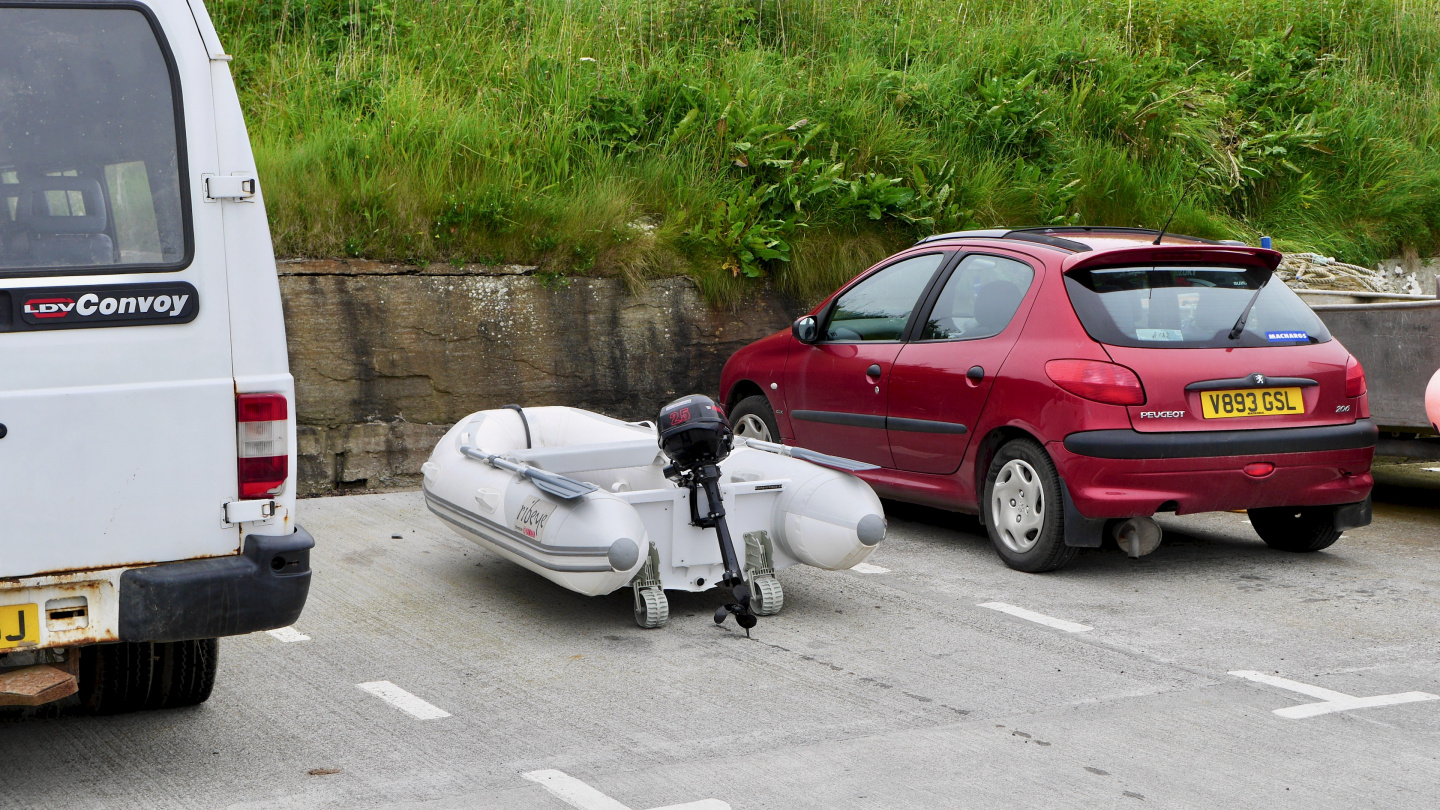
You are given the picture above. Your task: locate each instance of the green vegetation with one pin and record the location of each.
(800, 140)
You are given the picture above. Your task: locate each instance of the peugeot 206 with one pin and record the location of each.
(1067, 384)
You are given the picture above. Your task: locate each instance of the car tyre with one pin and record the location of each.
(754, 418)
(184, 673)
(1296, 528)
(1023, 509)
(115, 678)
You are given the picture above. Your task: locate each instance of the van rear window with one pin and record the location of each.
(91, 160)
(1190, 307)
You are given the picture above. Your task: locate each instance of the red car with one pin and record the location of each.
(1066, 382)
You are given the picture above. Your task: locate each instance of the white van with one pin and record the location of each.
(147, 452)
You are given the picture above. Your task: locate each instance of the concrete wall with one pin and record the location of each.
(386, 357)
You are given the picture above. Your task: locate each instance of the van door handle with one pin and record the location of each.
(237, 188)
(4, 431)
(873, 370)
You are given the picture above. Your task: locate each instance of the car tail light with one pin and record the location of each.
(1259, 469)
(1100, 382)
(1096, 381)
(1354, 378)
(262, 431)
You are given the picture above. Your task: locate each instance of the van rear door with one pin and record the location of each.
(116, 390)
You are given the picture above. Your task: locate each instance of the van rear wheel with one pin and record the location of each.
(115, 678)
(1296, 528)
(184, 673)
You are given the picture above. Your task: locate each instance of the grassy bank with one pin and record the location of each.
(799, 140)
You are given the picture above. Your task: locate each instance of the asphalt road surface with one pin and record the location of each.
(429, 674)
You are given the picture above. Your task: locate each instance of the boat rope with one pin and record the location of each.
(523, 421)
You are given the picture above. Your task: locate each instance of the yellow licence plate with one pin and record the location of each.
(19, 625)
(1251, 402)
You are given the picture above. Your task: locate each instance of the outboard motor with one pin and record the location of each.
(696, 437)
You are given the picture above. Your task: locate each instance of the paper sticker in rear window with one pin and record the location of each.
(1159, 334)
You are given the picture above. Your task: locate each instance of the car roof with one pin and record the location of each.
(1078, 238)
(1093, 246)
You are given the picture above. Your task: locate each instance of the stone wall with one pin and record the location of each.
(386, 357)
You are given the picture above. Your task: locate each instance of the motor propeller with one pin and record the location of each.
(696, 437)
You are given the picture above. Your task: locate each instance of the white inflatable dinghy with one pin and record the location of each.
(584, 501)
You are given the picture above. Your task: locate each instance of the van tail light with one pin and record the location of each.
(262, 431)
(1354, 378)
(1109, 383)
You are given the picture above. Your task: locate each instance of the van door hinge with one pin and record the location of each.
(235, 187)
(247, 512)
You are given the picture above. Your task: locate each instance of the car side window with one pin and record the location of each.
(879, 307)
(979, 300)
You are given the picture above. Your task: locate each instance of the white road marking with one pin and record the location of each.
(867, 568)
(572, 791)
(1038, 618)
(287, 634)
(402, 700)
(1331, 701)
(577, 794)
(1431, 469)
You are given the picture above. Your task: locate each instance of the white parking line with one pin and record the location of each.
(402, 700)
(867, 568)
(1038, 618)
(575, 793)
(1331, 701)
(287, 634)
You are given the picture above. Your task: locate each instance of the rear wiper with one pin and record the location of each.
(1245, 313)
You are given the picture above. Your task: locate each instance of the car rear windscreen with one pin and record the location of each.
(91, 162)
(1190, 307)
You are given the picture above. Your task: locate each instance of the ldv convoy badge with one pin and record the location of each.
(81, 307)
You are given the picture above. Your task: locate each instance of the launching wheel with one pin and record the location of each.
(766, 596)
(652, 609)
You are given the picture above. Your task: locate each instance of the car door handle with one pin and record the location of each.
(873, 370)
(975, 373)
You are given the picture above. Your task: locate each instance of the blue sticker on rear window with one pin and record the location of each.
(1287, 337)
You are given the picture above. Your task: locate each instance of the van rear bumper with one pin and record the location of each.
(262, 588)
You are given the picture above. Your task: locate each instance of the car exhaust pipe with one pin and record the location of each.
(1137, 536)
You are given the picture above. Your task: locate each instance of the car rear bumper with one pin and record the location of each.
(1113, 475)
(1132, 444)
(262, 588)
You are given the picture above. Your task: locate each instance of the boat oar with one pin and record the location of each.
(557, 485)
(823, 459)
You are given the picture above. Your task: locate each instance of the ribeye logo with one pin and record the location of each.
(121, 305)
(532, 517)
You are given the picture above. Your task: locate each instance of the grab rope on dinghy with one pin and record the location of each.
(525, 423)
